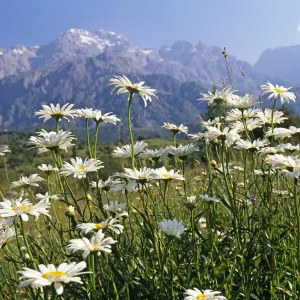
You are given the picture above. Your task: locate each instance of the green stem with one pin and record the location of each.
(88, 136)
(174, 139)
(57, 124)
(298, 223)
(96, 139)
(130, 129)
(27, 244)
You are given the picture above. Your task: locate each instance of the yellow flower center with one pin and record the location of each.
(98, 226)
(278, 90)
(166, 176)
(54, 274)
(23, 208)
(81, 168)
(95, 246)
(201, 296)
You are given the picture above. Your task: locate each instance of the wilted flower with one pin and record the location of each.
(49, 274)
(278, 91)
(98, 243)
(56, 112)
(124, 85)
(80, 168)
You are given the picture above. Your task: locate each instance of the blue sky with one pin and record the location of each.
(245, 27)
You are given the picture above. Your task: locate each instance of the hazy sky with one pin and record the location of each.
(245, 27)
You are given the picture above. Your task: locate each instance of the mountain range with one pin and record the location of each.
(76, 68)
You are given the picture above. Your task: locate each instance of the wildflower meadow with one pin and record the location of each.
(214, 216)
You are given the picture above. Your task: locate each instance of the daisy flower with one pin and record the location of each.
(279, 133)
(110, 223)
(97, 116)
(140, 176)
(218, 96)
(163, 174)
(242, 102)
(172, 228)
(125, 151)
(280, 161)
(98, 243)
(46, 197)
(25, 181)
(289, 147)
(48, 275)
(182, 151)
(124, 85)
(269, 150)
(196, 136)
(52, 141)
(4, 149)
(278, 92)
(248, 145)
(176, 129)
(6, 234)
(124, 186)
(56, 112)
(238, 115)
(209, 122)
(268, 116)
(215, 133)
(105, 185)
(155, 154)
(114, 207)
(22, 208)
(80, 168)
(195, 294)
(48, 169)
(250, 124)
